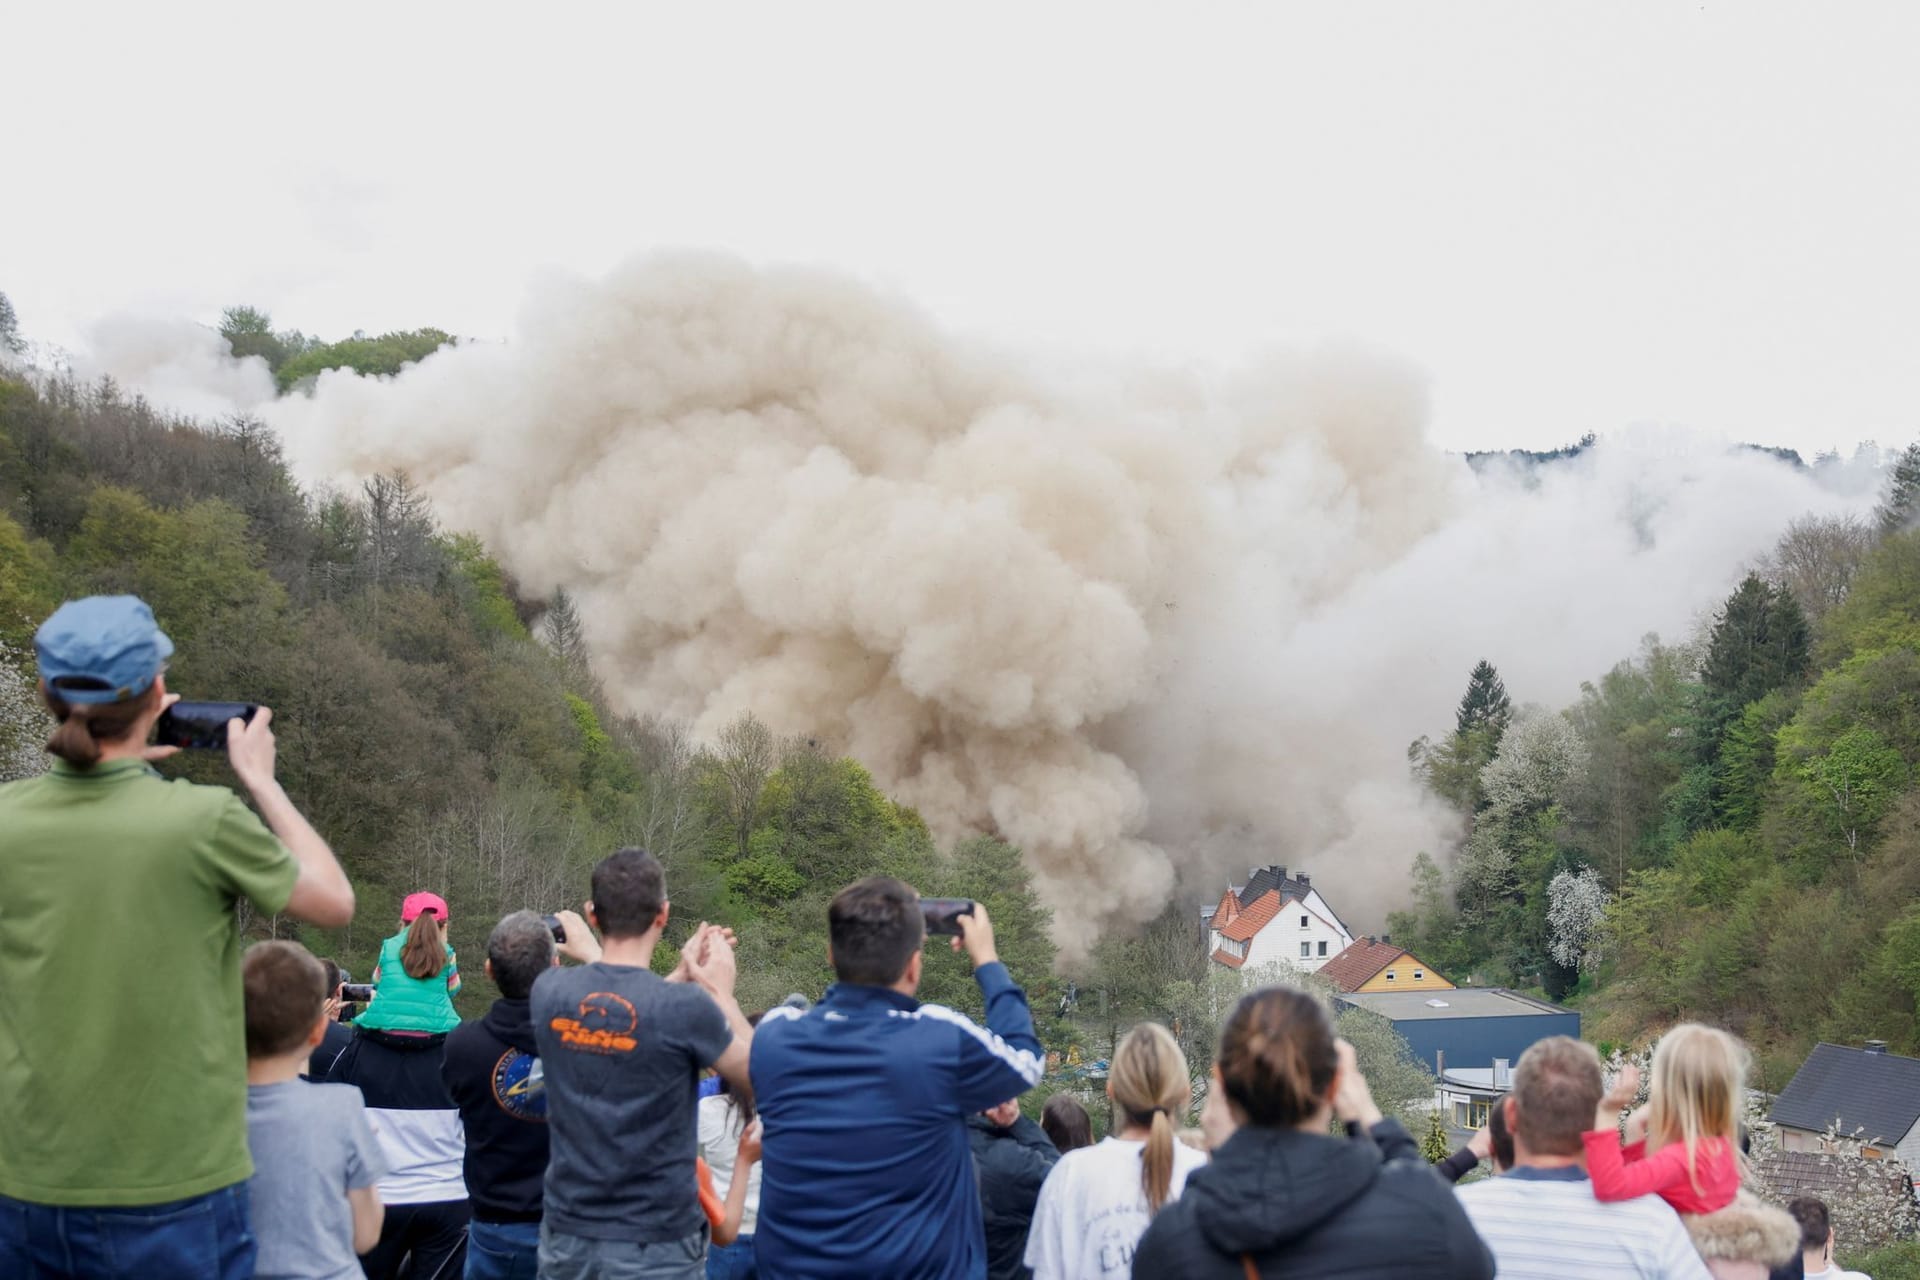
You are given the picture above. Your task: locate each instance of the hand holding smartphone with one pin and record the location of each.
(943, 914)
(201, 726)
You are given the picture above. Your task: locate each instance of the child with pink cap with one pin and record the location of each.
(417, 973)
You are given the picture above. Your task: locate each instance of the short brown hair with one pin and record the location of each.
(1277, 1056)
(1556, 1090)
(286, 990)
(874, 926)
(1815, 1223)
(629, 888)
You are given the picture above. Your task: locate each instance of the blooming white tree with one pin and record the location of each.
(1538, 754)
(23, 724)
(1576, 900)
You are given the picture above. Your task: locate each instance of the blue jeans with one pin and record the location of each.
(208, 1237)
(732, 1261)
(503, 1250)
(565, 1257)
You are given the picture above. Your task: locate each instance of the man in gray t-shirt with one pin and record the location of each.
(311, 1145)
(622, 1050)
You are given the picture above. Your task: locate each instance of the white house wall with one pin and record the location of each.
(1279, 942)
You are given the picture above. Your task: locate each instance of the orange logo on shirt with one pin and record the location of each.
(606, 1025)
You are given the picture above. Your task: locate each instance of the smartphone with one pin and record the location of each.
(357, 992)
(943, 914)
(201, 726)
(559, 929)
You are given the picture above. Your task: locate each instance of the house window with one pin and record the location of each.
(1323, 948)
(1389, 975)
(1306, 951)
(1417, 975)
(1303, 922)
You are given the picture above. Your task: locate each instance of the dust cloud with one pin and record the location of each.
(1152, 626)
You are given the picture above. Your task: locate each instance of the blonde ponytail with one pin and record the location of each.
(1149, 1083)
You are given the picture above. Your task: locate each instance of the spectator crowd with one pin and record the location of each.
(181, 1107)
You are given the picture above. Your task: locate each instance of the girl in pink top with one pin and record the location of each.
(1689, 1154)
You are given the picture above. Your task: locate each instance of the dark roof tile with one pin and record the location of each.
(1874, 1096)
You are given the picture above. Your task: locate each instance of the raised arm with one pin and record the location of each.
(1004, 1059)
(321, 893)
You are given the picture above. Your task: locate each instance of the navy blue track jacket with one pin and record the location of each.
(866, 1169)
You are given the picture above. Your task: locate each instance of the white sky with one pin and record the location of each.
(1575, 216)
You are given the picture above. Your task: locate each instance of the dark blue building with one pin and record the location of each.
(1471, 1026)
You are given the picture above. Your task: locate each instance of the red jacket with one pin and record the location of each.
(1621, 1173)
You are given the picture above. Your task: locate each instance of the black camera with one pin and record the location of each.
(559, 928)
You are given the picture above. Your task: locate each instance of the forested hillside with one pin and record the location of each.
(1726, 828)
(440, 730)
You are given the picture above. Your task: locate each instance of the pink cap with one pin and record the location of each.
(418, 902)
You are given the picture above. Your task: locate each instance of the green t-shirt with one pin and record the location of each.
(123, 1062)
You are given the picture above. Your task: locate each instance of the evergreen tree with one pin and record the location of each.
(1900, 504)
(562, 631)
(1759, 644)
(1435, 1146)
(10, 339)
(1485, 703)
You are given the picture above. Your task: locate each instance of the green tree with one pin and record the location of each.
(10, 340)
(1435, 1146)
(1760, 643)
(385, 355)
(1401, 1084)
(562, 631)
(1900, 499)
(1485, 703)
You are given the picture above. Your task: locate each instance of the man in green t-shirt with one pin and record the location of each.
(123, 1091)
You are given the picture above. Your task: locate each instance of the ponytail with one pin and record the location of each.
(1156, 1161)
(84, 727)
(1149, 1082)
(424, 953)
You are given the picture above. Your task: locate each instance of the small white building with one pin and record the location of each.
(1275, 919)
(1469, 1094)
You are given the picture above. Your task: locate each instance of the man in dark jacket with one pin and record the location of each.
(1012, 1155)
(865, 1099)
(493, 1072)
(1295, 1202)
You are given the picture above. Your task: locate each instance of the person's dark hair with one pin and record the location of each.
(741, 1101)
(84, 726)
(424, 953)
(1500, 1137)
(629, 888)
(1556, 1090)
(1067, 1123)
(519, 949)
(1277, 1057)
(1810, 1212)
(874, 926)
(335, 974)
(285, 991)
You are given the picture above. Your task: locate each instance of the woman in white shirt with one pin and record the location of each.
(1098, 1200)
(722, 1119)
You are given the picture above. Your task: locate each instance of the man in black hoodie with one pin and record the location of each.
(1012, 1156)
(493, 1072)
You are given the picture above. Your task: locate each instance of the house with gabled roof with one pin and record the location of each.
(1865, 1094)
(1275, 919)
(1375, 964)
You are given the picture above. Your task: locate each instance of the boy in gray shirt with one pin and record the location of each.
(315, 1159)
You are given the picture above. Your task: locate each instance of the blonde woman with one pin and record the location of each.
(1099, 1199)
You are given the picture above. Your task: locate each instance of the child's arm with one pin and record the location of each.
(1617, 1178)
(748, 1155)
(453, 972)
(368, 1217)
